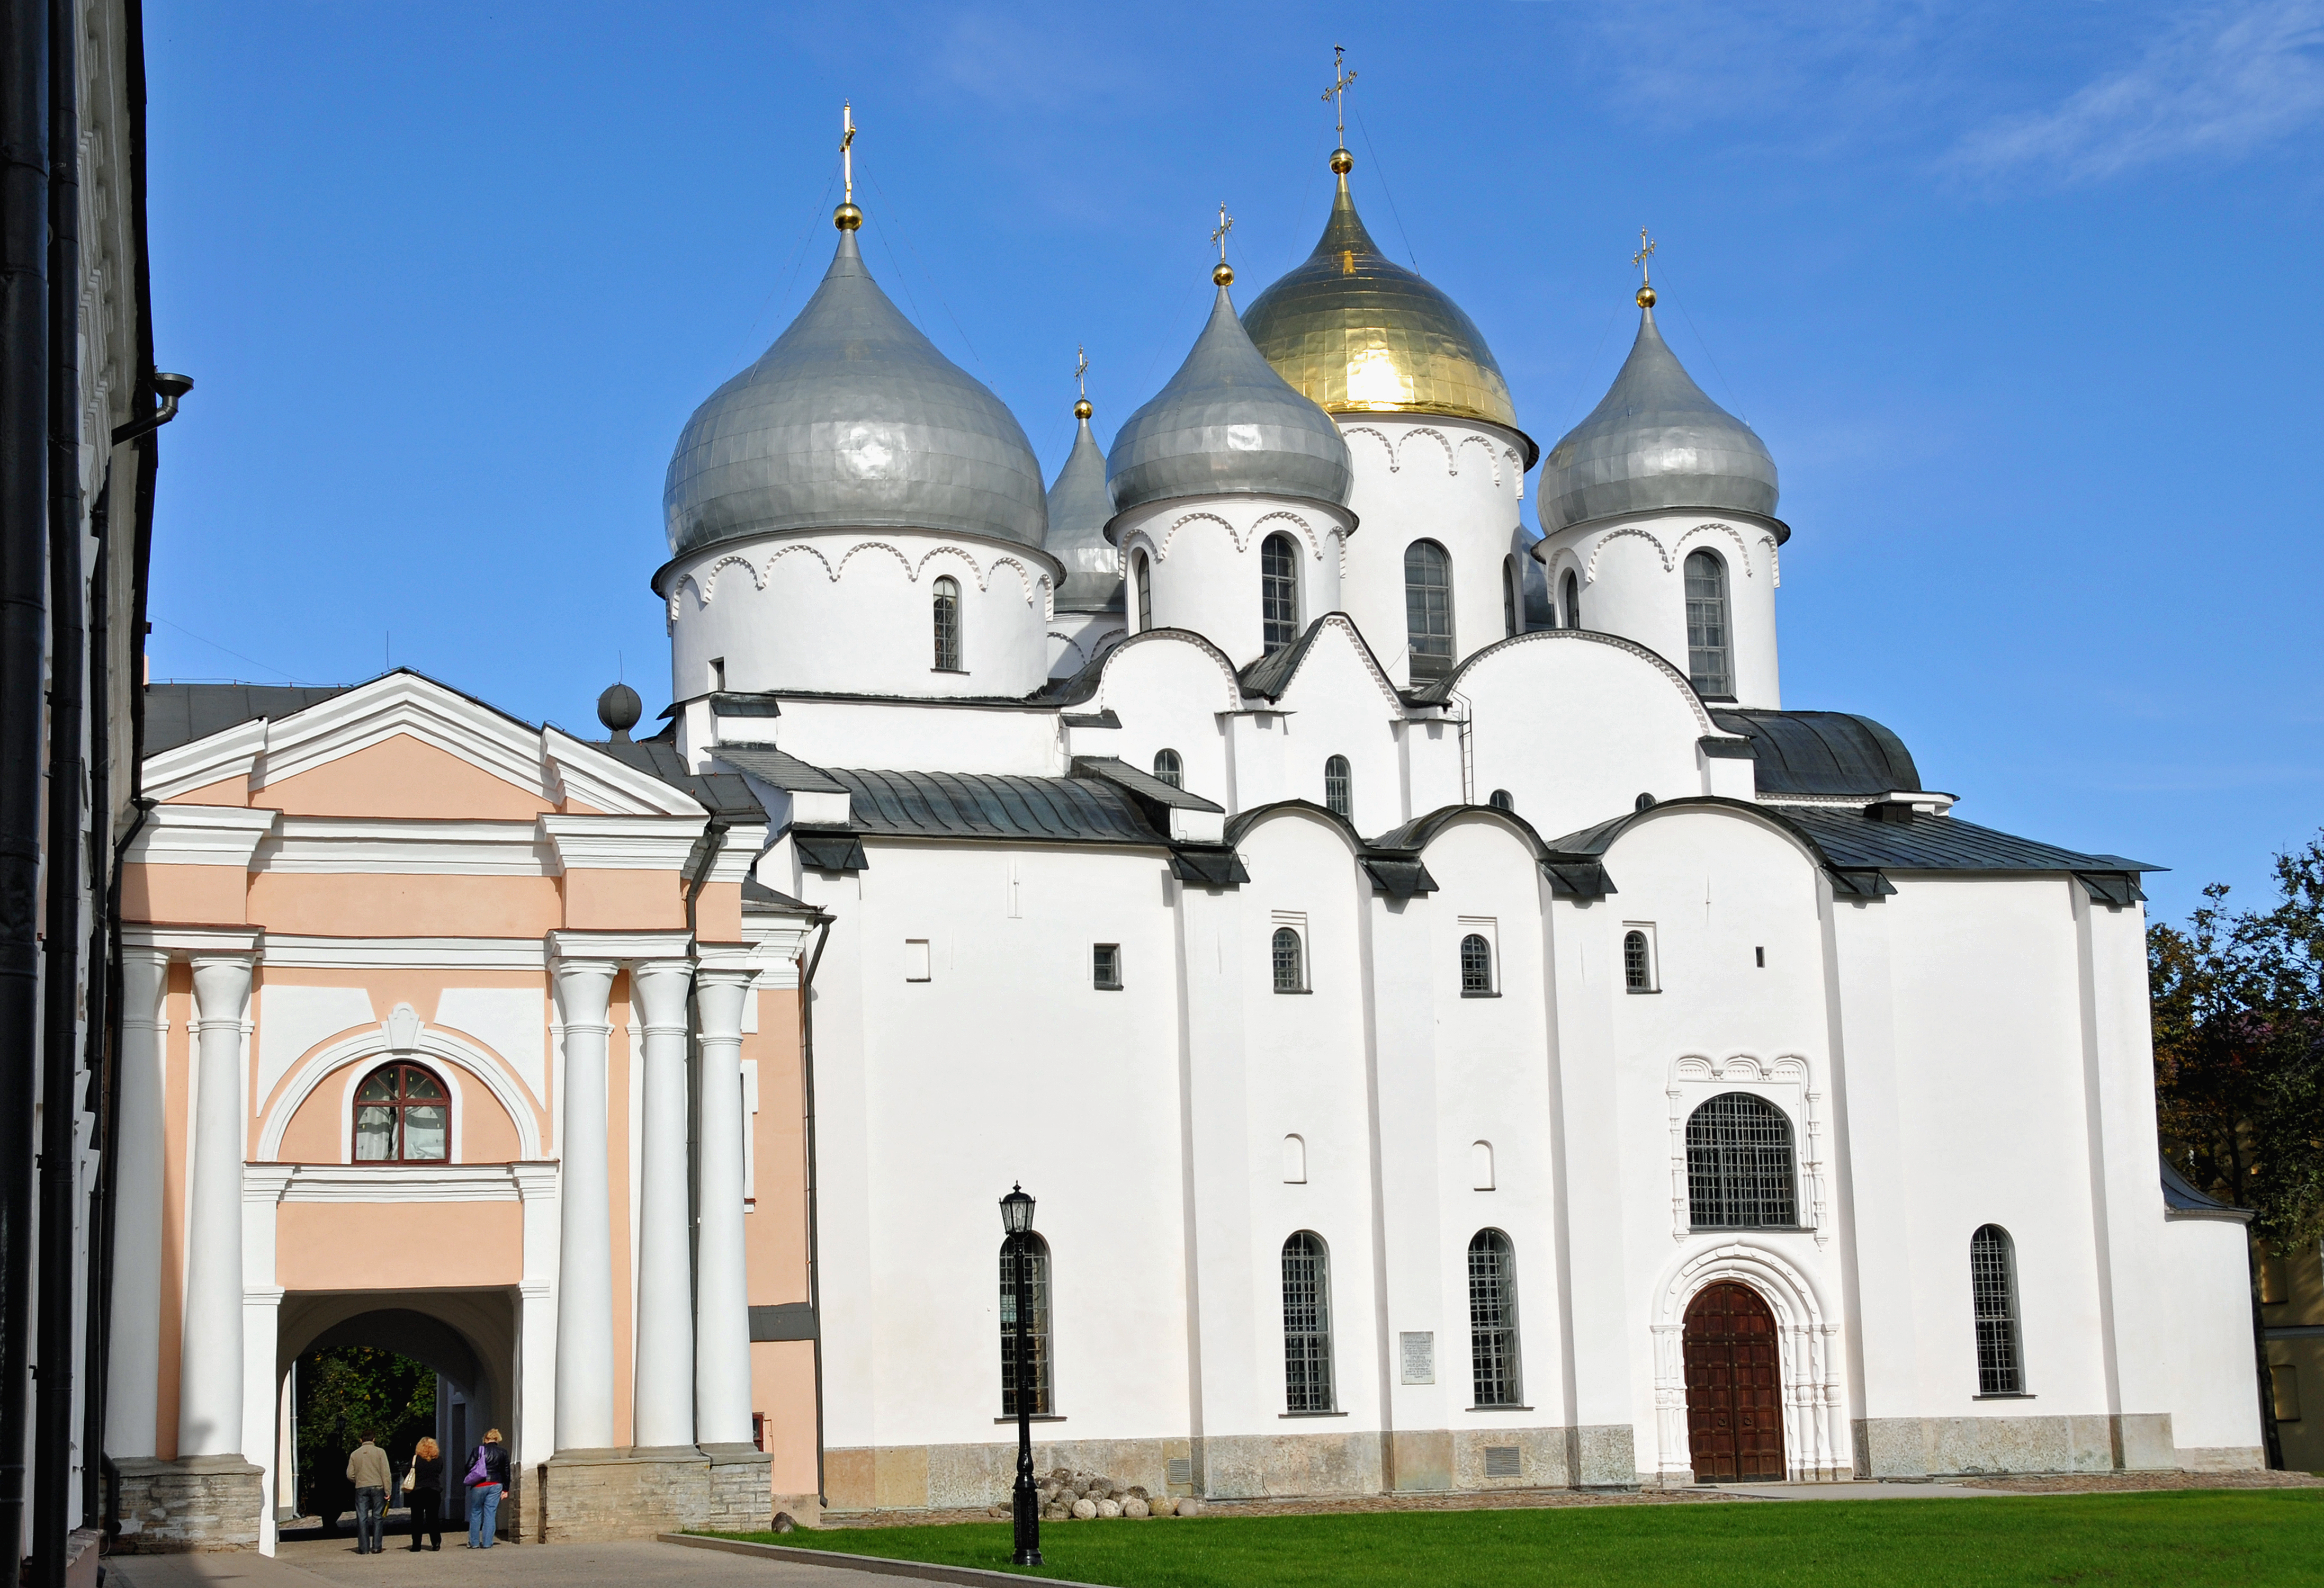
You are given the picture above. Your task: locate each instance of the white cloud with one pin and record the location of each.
(2221, 83)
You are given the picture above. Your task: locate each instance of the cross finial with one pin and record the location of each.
(847, 147)
(1223, 272)
(1337, 94)
(1644, 260)
(1081, 409)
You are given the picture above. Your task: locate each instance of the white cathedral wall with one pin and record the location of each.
(1076, 639)
(1335, 704)
(849, 612)
(1204, 554)
(1424, 477)
(1633, 577)
(916, 736)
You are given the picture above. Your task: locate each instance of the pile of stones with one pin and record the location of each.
(1068, 1496)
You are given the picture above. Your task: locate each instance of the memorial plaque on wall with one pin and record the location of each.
(1419, 1357)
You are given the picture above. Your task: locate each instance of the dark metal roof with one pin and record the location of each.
(993, 805)
(1851, 841)
(725, 795)
(758, 898)
(2181, 1200)
(779, 769)
(1822, 753)
(1113, 769)
(1271, 674)
(180, 713)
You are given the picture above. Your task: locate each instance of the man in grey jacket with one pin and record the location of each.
(368, 1471)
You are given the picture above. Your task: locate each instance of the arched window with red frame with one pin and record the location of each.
(403, 1114)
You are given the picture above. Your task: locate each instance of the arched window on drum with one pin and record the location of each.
(403, 1114)
(1428, 609)
(1709, 638)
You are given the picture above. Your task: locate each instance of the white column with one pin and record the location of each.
(585, 1263)
(536, 1322)
(663, 1410)
(133, 1399)
(209, 1369)
(721, 1302)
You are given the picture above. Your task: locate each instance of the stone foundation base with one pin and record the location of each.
(588, 1496)
(199, 1502)
(1919, 1447)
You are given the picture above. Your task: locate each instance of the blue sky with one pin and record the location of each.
(2022, 298)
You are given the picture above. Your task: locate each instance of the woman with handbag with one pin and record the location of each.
(423, 1491)
(487, 1481)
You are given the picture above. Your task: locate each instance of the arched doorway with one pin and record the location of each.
(1734, 1387)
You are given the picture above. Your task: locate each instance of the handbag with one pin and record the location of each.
(411, 1477)
(479, 1473)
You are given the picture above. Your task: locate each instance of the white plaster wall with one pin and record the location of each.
(1575, 727)
(918, 737)
(1422, 477)
(1078, 638)
(1335, 704)
(2207, 1303)
(1634, 584)
(1169, 694)
(1204, 553)
(848, 612)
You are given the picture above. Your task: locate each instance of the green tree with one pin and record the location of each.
(348, 1390)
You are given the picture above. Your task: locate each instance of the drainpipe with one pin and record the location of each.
(64, 874)
(814, 1231)
(23, 487)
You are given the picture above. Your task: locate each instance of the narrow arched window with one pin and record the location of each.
(1141, 575)
(946, 605)
(1290, 963)
(1307, 1323)
(1295, 1160)
(1037, 1324)
(1493, 1320)
(1709, 654)
(1572, 615)
(1512, 595)
(1993, 1285)
(1476, 966)
(1502, 799)
(403, 1114)
(1637, 963)
(1169, 769)
(1428, 608)
(1339, 797)
(1279, 591)
(1739, 1164)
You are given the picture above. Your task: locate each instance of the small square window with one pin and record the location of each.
(915, 959)
(1105, 967)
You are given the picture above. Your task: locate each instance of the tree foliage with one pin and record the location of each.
(2238, 1002)
(347, 1391)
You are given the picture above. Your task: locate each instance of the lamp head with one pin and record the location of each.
(172, 387)
(1017, 1212)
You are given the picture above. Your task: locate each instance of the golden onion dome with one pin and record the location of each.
(1358, 333)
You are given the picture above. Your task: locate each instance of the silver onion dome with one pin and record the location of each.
(1079, 505)
(1226, 422)
(853, 419)
(1655, 441)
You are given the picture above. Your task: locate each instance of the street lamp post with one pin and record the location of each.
(1017, 1218)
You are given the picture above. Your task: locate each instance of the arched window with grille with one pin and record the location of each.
(1428, 608)
(1710, 650)
(1993, 1285)
(1279, 591)
(1141, 575)
(1290, 962)
(1493, 1320)
(946, 603)
(1512, 595)
(1307, 1323)
(1638, 961)
(1339, 794)
(1476, 966)
(403, 1114)
(1570, 614)
(1169, 769)
(1037, 1309)
(1739, 1164)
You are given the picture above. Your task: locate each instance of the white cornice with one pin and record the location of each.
(231, 752)
(623, 842)
(465, 954)
(338, 846)
(397, 1182)
(410, 705)
(594, 777)
(200, 835)
(194, 939)
(567, 944)
(739, 854)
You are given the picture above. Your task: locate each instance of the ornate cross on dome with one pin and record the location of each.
(1081, 369)
(1337, 94)
(847, 148)
(1226, 224)
(1643, 258)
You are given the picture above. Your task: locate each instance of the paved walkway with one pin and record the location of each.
(333, 1561)
(1857, 1491)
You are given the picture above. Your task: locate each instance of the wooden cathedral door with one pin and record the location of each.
(1734, 1388)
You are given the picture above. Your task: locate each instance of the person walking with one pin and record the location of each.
(423, 1491)
(368, 1471)
(488, 1476)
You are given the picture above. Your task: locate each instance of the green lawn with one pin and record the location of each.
(2247, 1538)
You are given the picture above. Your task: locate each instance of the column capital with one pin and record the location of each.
(570, 942)
(202, 942)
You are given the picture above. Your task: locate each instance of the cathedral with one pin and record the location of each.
(1461, 1029)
